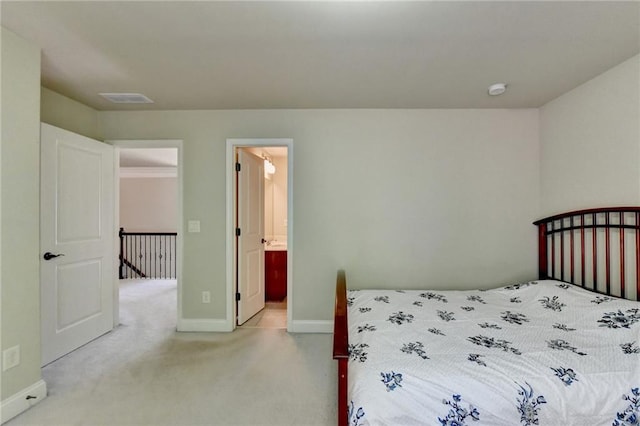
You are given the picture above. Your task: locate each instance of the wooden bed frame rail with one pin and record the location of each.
(597, 249)
(341, 346)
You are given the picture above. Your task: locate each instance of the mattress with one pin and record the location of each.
(536, 353)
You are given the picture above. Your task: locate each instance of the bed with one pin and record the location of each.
(560, 350)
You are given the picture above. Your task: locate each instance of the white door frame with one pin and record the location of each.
(232, 144)
(148, 143)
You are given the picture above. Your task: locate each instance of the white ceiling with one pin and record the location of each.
(269, 151)
(327, 54)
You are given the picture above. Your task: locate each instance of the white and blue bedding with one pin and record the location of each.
(538, 353)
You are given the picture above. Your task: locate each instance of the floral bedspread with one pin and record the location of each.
(537, 353)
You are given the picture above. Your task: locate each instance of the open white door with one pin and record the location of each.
(76, 240)
(250, 214)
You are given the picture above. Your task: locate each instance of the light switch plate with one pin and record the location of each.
(193, 226)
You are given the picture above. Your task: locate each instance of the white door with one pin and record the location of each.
(250, 264)
(76, 225)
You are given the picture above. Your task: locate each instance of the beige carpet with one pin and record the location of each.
(145, 373)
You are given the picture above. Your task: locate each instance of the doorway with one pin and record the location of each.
(260, 268)
(148, 222)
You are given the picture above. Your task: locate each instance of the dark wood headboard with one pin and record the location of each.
(598, 249)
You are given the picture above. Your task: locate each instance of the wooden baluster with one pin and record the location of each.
(608, 253)
(582, 276)
(594, 247)
(571, 250)
(622, 275)
(562, 249)
(552, 273)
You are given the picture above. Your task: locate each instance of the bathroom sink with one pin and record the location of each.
(276, 246)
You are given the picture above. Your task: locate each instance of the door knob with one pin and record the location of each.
(264, 241)
(48, 255)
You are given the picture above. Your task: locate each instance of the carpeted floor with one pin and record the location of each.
(145, 373)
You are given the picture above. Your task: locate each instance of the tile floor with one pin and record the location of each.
(274, 315)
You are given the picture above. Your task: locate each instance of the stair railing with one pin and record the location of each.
(151, 255)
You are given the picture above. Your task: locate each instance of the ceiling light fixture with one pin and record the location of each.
(269, 167)
(497, 89)
(126, 98)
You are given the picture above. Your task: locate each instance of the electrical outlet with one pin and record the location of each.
(206, 297)
(10, 358)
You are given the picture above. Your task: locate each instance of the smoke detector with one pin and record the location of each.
(126, 98)
(497, 89)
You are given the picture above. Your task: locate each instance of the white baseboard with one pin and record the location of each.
(218, 325)
(18, 403)
(310, 326)
(204, 325)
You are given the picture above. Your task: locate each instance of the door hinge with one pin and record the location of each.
(237, 297)
(238, 232)
(238, 167)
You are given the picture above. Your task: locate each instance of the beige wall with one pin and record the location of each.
(590, 143)
(20, 240)
(275, 193)
(68, 114)
(400, 198)
(149, 204)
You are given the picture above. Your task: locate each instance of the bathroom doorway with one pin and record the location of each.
(260, 221)
(274, 313)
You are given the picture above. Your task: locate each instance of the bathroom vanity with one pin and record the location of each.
(275, 270)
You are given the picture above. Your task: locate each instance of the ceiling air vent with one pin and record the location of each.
(126, 98)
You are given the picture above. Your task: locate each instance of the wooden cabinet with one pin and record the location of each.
(275, 280)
